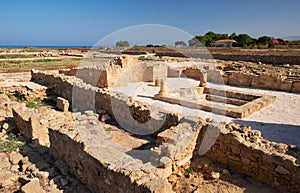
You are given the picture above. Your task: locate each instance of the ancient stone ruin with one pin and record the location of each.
(113, 142)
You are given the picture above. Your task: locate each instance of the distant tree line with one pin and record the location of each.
(122, 44)
(243, 40)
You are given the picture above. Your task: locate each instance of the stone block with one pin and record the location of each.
(286, 85)
(7, 178)
(38, 131)
(32, 187)
(62, 104)
(192, 73)
(172, 72)
(215, 76)
(240, 79)
(281, 170)
(266, 81)
(296, 86)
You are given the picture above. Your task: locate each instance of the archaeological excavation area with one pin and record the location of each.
(139, 123)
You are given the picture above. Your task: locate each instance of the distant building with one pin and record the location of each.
(224, 43)
(274, 41)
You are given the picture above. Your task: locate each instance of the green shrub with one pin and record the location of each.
(19, 97)
(188, 171)
(31, 104)
(13, 143)
(108, 129)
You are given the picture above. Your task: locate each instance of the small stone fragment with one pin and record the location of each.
(32, 187)
(281, 170)
(5, 126)
(225, 172)
(63, 182)
(52, 172)
(62, 104)
(62, 166)
(105, 117)
(15, 157)
(215, 175)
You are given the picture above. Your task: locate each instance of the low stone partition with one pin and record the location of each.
(266, 81)
(178, 140)
(242, 104)
(101, 176)
(34, 123)
(29, 125)
(238, 78)
(94, 76)
(105, 167)
(244, 149)
(125, 110)
(117, 72)
(269, 59)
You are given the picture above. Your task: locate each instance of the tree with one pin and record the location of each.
(194, 42)
(180, 43)
(214, 37)
(205, 40)
(263, 40)
(232, 36)
(122, 43)
(244, 39)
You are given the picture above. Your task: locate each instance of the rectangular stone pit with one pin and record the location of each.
(96, 166)
(242, 104)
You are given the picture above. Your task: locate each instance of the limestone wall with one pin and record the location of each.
(29, 125)
(237, 146)
(93, 76)
(266, 81)
(118, 72)
(239, 78)
(88, 97)
(99, 176)
(269, 59)
(244, 149)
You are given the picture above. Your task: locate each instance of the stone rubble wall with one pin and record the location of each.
(99, 176)
(266, 81)
(244, 149)
(24, 92)
(95, 76)
(98, 173)
(30, 125)
(269, 59)
(237, 146)
(118, 72)
(177, 144)
(238, 78)
(117, 105)
(110, 176)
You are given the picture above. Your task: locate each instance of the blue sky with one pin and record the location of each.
(62, 22)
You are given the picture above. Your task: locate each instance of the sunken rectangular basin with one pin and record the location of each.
(224, 102)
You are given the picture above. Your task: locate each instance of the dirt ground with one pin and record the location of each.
(211, 177)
